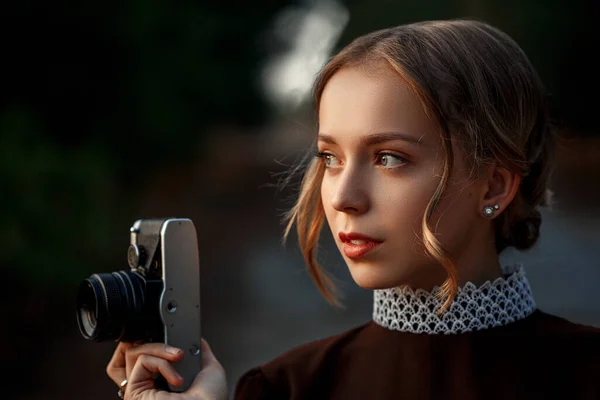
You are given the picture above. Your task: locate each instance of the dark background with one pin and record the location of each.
(114, 111)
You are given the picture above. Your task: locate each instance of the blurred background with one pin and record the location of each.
(115, 111)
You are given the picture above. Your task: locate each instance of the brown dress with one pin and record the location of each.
(497, 345)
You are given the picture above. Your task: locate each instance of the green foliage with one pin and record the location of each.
(55, 202)
(99, 96)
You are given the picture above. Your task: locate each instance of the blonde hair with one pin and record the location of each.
(487, 98)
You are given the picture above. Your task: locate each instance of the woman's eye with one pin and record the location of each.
(330, 160)
(390, 160)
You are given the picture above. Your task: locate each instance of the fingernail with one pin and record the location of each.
(173, 350)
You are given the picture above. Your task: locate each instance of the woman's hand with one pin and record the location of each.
(138, 364)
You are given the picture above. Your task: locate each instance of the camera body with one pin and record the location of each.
(157, 300)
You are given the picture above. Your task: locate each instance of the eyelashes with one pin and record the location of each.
(324, 157)
(327, 157)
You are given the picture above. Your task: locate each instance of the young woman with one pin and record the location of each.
(434, 152)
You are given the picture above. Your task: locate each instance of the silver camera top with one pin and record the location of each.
(144, 242)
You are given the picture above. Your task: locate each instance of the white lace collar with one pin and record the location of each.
(492, 304)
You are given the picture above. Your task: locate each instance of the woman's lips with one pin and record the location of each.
(355, 251)
(362, 245)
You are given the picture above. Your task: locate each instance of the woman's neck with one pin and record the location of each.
(477, 263)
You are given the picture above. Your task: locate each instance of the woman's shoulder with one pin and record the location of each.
(299, 366)
(547, 323)
(555, 343)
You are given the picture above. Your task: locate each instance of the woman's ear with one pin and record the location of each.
(500, 190)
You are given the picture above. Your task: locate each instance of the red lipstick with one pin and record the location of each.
(358, 249)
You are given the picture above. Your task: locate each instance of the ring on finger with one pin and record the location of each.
(121, 392)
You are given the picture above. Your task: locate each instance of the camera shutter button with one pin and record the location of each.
(136, 256)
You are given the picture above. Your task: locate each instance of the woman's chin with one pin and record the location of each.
(377, 276)
(371, 278)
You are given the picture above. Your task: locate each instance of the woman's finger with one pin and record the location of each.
(211, 381)
(208, 356)
(160, 350)
(116, 368)
(146, 366)
(209, 361)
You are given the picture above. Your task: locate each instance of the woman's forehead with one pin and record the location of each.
(356, 102)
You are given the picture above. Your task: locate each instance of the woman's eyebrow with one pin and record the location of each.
(376, 138)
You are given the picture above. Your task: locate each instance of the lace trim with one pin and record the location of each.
(492, 304)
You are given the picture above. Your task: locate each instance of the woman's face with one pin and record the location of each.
(384, 160)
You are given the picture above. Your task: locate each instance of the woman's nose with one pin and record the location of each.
(350, 194)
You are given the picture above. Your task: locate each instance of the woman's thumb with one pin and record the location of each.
(208, 357)
(211, 382)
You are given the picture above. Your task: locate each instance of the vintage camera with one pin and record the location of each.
(157, 300)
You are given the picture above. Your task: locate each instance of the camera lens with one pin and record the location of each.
(107, 302)
(87, 315)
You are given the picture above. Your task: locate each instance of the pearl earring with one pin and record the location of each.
(488, 211)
